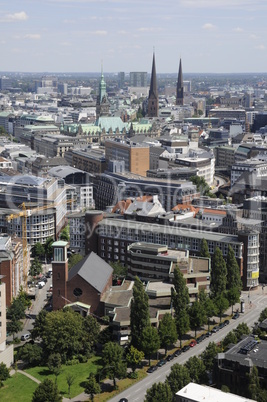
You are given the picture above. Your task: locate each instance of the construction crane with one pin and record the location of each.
(23, 214)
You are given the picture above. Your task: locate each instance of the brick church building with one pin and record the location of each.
(83, 286)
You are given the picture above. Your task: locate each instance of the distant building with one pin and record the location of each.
(153, 97)
(102, 104)
(138, 79)
(180, 87)
(6, 351)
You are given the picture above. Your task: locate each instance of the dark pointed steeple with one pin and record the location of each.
(180, 87)
(153, 98)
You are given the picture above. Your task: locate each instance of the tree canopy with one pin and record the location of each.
(139, 314)
(113, 362)
(150, 340)
(218, 274)
(47, 391)
(159, 392)
(167, 331)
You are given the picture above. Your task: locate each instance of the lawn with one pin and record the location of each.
(17, 388)
(79, 371)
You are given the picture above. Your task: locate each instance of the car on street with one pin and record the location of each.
(235, 316)
(151, 369)
(123, 400)
(192, 343)
(215, 329)
(186, 348)
(161, 363)
(25, 337)
(170, 357)
(177, 353)
(226, 322)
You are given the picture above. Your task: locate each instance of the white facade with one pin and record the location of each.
(86, 197)
(250, 165)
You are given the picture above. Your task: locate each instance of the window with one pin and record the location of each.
(58, 254)
(77, 292)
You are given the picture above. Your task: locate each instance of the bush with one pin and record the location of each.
(72, 362)
(82, 358)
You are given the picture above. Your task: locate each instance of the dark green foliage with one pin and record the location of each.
(119, 270)
(241, 329)
(178, 377)
(197, 370)
(180, 302)
(39, 325)
(14, 327)
(54, 364)
(208, 305)
(204, 250)
(92, 387)
(233, 296)
(167, 331)
(230, 338)
(36, 267)
(218, 274)
(48, 248)
(202, 185)
(254, 388)
(263, 315)
(47, 391)
(92, 330)
(224, 388)
(31, 354)
(65, 234)
(139, 315)
(233, 271)
(38, 250)
(159, 392)
(134, 357)
(150, 340)
(4, 373)
(70, 380)
(222, 304)
(113, 362)
(197, 315)
(209, 355)
(74, 259)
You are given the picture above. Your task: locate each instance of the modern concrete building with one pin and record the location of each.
(250, 165)
(138, 79)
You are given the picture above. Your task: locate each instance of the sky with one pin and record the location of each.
(211, 36)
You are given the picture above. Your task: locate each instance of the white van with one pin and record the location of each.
(41, 284)
(25, 337)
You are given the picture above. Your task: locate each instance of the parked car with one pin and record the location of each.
(25, 337)
(178, 352)
(170, 357)
(186, 348)
(226, 322)
(151, 369)
(215, 329)
(208, 334)
(41, 284)
(161, 363)
(192, 343)
(235, 316)
(123, 400)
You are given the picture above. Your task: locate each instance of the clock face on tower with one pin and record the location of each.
(77, 292)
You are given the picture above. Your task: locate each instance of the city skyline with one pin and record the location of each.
(222, 36)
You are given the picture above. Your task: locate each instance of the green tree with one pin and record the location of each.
(54, 364)
(47, 391)
(222, 304)
(208, 305)
(263, 315)
(48, 248)
(180, 302)
(24, 298)
(119, 270)
(218, 274)
(31, 354)
(74, 259)
(159, 392)
(150, 340)
(139, 314)
(39, 325)
(36, 267)
(70, 380)
(65, 234)
(92, 387)
(16, 311)
(241, 329)
(14, 326)
(233, 272)
(114, 365)
(4, 374)
(91, 330)
(202, 185)
(167, 331)
(63, 333)
(134, 357)
(229, 339)
(233, 297)
(197, 370)
(209, 355)
(254, 387)
(204, 249)
(197, 316)
(178, 377)
(38, 250)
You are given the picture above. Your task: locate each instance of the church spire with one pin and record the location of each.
(180, 86)
(153, 99)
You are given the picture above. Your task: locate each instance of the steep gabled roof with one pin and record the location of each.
(93, 270)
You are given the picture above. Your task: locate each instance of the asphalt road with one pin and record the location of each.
(137, 392)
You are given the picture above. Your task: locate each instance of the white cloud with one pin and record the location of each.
(260, 47)
(149, 29)
(238, 29)
(21, 16)
(254, 36)
(99, 33)
(223, 4)
(32, 36)
(208, 26)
